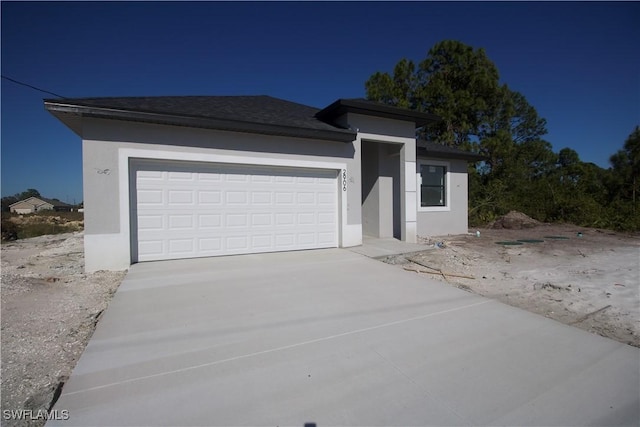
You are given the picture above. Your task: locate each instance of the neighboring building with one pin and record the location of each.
(37, 204)
(30, 205)
(196, 176)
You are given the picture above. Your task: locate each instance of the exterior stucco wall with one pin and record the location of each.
(108, 146)
(454, 218)
(381, 210)
(370, 190)
(401, 133)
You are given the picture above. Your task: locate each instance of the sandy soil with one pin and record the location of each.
(591, 281)
(49, 311)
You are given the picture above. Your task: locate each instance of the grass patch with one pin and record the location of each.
(65, 216)
(16, 226)
(35, 230)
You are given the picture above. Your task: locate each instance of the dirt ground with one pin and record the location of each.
(50, 306)
(49, 311)
(589, 280)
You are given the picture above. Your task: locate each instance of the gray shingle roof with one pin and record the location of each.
(259, 114)
(255, 114)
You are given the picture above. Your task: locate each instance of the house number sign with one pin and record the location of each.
(344, 180)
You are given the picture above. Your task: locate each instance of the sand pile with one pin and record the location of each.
(514, 220)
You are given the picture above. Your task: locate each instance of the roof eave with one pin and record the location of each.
(342, 106)
(66, 113)
(470, 157)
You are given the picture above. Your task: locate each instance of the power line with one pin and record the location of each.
(32, 87)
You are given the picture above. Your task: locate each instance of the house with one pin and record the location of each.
(30, 205)
(198, 176)
(37, 204)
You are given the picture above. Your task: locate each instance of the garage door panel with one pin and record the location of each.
(261, 179)
(284, 219)
(263, 242)
(192, 210)
(237, 198)
(210, 245)
(181, 222)
(151, 197)
(181, 197)
(181, 176)
(236, 220)
(284, 198)
(209, 197)
(152, 247)
(151, 222)
(262, 220)
(184, 246)
(261, 198)
(209, 221)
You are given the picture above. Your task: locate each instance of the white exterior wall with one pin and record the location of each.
(453, 218)
(108, 148)
(22, 211)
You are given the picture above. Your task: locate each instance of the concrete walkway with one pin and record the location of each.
(376, 248)
(334, 338)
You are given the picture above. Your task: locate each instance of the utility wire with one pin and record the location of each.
(32, 87)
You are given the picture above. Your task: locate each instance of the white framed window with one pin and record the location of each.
(433, 185)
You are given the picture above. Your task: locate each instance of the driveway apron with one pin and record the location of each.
(331, 337)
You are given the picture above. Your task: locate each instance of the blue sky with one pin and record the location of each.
(577, 63)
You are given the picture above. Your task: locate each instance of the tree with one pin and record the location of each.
(456, 82)
(31, 192)
(398, 90)
(9, 200)
(520, 171)
(626, 168)
(460, 84)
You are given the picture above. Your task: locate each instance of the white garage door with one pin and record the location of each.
(187, 210)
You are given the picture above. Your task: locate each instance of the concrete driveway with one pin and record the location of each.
(330, 337)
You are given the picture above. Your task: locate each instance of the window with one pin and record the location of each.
(433, 185)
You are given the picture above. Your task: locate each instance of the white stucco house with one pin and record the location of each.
(200, 176)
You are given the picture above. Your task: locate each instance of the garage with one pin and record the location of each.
(191, 209)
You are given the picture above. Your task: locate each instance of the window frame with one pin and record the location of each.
(447, 185)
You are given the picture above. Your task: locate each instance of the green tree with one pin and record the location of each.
(461, 85)
(31, 192)
(398, 90)
(454, 81)
(520, 171)
(9, 200)
(626, 168)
